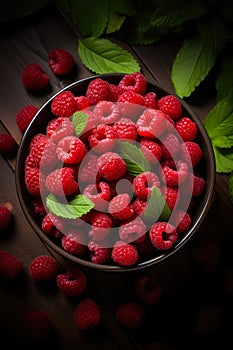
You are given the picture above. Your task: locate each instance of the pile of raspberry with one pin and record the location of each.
(65, 162)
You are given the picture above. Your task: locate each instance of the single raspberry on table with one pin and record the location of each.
(58, 128)
(87, 314)
(147, 289)
(131, 314)
(61, 182)
(44, 154)
(35, 181)
(25, 116)
(38, 324)
(191, 153)
(163, 235)
(74, 243)
(73, 282)
(64, 104)
(150, 100)
(71, 150)
(144, 183)
(53, 225)
(34, 77)
(120, 207)
(186, 128)
(60, 61)
(97, 90)
(10, 265)
(111, 166)
(99, 254)
(135, 82)
(101, 226)
(43, 268)
(151, 123)
(82, 102)
(170, 105)
(125, 129)
(102, 139)
(99, 194)
(5, 217)
(133, 231)
(124, 254)
(181, 220)
(151, 150)
(106, 112)
(7, 143)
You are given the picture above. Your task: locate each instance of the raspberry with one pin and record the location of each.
(193, 185)
(71, 150)
(150, 100)
(34, 77)
(181, 220)
(64, 104)
(120, 207)
(72, 283)
(60, 61)
(106, 112)
(87, 314)
(139, 205)
(124, 254)
(99, 194)
(163, 235)
(173, 176)
(170, 146)
(58, 128)
(38, 325)
(98, 253)
(151, 123)
(5, 217)
(10, 265)
(25, 116)
(151, 150)
(135, 82)
(38, 206)
(170, 105)
(53, 225)
(35, 181)
(171, 196)
(144, 183)
(97, 90)
(130, 314)
(101, 225)
(36, 138)
(147, 289)
(73, 243)
(82, 102)
(115, 92)
(61, 182)
(186, 128)
(111, 166)
(43, 268)
(102, 139)
(133, 231)
(88, 171)
(44, 154)
(191, 153)
(130, 104)
(7, 143)
(125, 129)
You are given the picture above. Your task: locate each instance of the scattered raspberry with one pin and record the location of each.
(71, 150)
(171, 196)
(151, 150)
(38, 324)
(53, 225)
(25, 116)
(38, 206)
(43, 268)
(98, 253)
(106, 112)
(191, 152)
(170, 105)
(151, 123)
(99, 194)
(35, 181)
(5, 217)
(64, 104)
(130, 314)
(135, 82)
(73, 282)
(98, 90)
(133, 231)
(101, 225)
(173, 176)
(187, 129)
(120, 207)
(125, 129)
(163, 235)
(60, 61)
(170, 146)
(87, 314)
(130, 104)
(124, 254)
(82, 102)
(111, 166)
(73, 243)
(102, 139)
(181, 220)
(144, 183)
(7, 143)
(147, 289)
(10, 265)
(61, 182)
(44, 154)
(34, 78)
(150, 100)
(58, 128)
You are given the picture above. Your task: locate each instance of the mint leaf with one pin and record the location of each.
(135, 160)
(218, 114)
(213, 32)
(115, 22)
(71, 210)
(231, 186)
(224, 80)
(191, 65)
(79, 120)
(157, 207)
(223, 141)
(122, 7)
(224, 159)
(102, 56)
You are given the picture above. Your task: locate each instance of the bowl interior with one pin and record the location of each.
(38, 125)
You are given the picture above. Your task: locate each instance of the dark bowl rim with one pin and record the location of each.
(205, 203)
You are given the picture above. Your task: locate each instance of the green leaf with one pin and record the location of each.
(217, 114)
(71, 210)
(157, 207)
(224, 80)
(224, 159)
(231, 186)
(115, 22)
(102, 56)
(135, 160)
(124, 7)
(213, 33)
(223, 141)
(191, 65)
(79, 120)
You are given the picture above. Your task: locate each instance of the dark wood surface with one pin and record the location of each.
(197, 293)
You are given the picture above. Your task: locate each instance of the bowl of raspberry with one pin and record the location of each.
(115, 172)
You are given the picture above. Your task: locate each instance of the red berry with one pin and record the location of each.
(102, 139)
(170, 146)
(124, 254)
(147, 289)
(151, 123)
(53, 225)
(35, 181)
(74, 242)
(151, 150)
(25, 116)
(174, 175)
(5, 217)
(171, 195)
(38, 206)
(163, 235)
(144, 183)
(71, 150)
(187, 129)
(73, 282)
(43, 268)
(194, 185)
(191, 152)
(61, 182)
(130, 314)
(111, 166)
(106, 112)
(58, 128)
(139, 205)
(88, 171)
(7, 143)
(125, 129)
(87, 314)
(135, 82)
(133, 231)
(99, 194)
(10, 265)
(64, 104)
(60, 61)
(82, 102)
(38, 324)
(170, 105)
(130, 104)
(180, 220)
(115, 92)
(99, 254)
(44, 154)
(150, 100)
(36, 138)
(97, 90)
(101, 226)
(120, 207)
(34, 77)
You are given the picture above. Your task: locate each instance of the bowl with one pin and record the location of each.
(206, 168)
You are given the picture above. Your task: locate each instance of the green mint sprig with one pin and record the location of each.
(79, 120)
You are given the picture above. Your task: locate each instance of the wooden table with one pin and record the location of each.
(195, 310)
